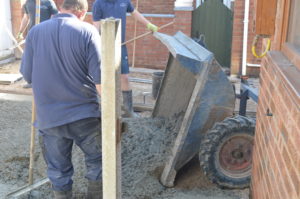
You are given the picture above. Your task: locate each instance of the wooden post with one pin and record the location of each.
(134, 35)
(110, 96)
(33, 116)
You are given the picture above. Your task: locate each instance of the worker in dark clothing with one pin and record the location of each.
(62, 61)
(118, 8)
(47, 9)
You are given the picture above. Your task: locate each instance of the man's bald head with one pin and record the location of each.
(75, 5)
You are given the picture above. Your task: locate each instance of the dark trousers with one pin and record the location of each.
(57, 145)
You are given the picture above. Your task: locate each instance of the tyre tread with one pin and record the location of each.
(209, 145)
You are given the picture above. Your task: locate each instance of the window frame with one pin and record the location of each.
(288, 50)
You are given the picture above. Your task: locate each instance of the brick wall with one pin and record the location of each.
(16, 14)
(16, 17)
(150, 53)
(276, 155)
(237, 39)
(145, 6)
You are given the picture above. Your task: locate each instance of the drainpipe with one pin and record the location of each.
(253, 65)
(245, 38)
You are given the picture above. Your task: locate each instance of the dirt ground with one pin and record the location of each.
(145, 147)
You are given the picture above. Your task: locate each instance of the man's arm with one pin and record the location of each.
(53, 8)
(98, 87)
(139, 17)
(24, 24)
(97, 14)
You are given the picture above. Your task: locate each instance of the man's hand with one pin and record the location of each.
(152, 27)
(20, 36)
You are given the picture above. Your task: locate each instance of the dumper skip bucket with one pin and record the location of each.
(195, 87)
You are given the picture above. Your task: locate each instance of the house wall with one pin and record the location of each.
(276, 155)
(5, 20)
(237, 39)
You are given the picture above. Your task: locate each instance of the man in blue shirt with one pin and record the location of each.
(118, 8)
(48, 8)
(62, 61)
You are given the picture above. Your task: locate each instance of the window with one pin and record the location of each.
(291, 31)
(293, 34)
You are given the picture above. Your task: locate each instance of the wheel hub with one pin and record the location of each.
(235, 155)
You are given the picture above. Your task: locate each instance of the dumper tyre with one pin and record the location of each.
(226, 152)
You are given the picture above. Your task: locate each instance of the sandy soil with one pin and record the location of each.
(145, 147)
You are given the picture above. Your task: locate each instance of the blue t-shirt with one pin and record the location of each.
(62, 61)
(48, 8)
(103, 9)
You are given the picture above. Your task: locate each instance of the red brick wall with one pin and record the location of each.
(155, 6)
(150, 53)
(237, 39)
(276, 155)
(16, 14)
(145, 6)
(16, 17)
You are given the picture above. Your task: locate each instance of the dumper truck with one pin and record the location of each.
(195, 89)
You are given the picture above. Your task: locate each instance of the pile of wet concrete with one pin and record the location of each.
(146, 146)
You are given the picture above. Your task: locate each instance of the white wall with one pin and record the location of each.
(5, 20)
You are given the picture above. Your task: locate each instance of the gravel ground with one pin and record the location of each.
(145, 147)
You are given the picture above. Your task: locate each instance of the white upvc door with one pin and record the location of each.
(5, 21)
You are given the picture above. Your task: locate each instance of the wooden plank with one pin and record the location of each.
(140, 80)
(144, 70)
(9, 78)
(139, 107)
(15, 89)
(265, 16)
(27, 188)
(110, 72)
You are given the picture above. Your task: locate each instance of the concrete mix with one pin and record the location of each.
(145, 148)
